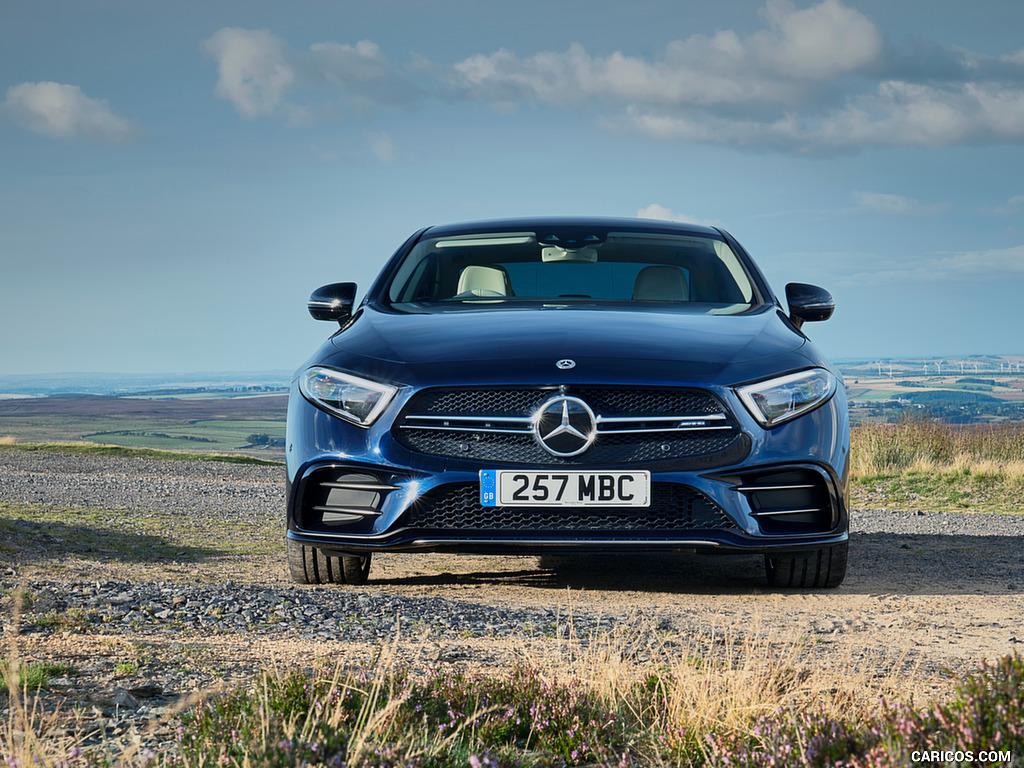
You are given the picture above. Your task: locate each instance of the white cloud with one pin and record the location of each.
(815, 80)
(656, 211)
(860, 269)
(1011, 207)
(257, 72)
(254, 69)
(817, 43)
(775, 66)
(982, 265)
(897, 205)
(57, 109)
(383, 147)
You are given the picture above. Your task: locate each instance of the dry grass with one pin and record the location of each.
(7, 440)
(659, 696)
(929, 445)
(924, 464)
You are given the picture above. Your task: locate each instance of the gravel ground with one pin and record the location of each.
(183, 587)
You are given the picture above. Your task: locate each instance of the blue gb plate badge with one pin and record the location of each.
(489, 487)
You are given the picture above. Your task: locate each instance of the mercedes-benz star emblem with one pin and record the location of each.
(565, 365)
(564, 426)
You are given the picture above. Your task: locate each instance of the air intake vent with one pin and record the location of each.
(334, 499)
(674, 509)
(789, 501)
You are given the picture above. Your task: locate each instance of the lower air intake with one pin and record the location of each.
(674, 509)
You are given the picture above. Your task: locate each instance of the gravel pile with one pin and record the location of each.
(235, 491)
(306, 613)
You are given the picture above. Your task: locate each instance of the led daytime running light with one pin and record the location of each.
(779, 400)
(352, 398)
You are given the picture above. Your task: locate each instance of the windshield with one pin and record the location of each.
(696, 272)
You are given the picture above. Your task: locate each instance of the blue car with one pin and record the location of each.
(562, 385)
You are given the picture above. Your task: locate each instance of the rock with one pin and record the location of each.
(124, 700)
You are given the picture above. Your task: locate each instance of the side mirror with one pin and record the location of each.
(332, 302)
(808, 303)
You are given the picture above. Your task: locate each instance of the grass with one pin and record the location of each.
(210, 434)
(752, 703)
(31, 676)
(920, 463)
(93, 449)
(54, 534)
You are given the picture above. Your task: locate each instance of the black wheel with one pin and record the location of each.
(822, 568)
(308, 565)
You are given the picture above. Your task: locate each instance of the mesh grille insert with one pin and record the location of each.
(674, 508)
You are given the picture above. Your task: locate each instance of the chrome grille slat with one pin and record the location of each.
(361, 511)
(471, 430)
(752, 488)
(782, 512)
(657, 429)
(360, 486)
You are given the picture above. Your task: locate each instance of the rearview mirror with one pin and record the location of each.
(332, 302)
(808, 303)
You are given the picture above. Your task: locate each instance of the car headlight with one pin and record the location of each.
(777, 400)
(348, 397)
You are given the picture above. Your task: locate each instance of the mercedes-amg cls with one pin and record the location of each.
(560, 385)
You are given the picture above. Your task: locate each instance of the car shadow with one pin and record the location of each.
(910, 564)
(30, 541)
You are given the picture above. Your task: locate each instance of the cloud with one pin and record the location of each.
(897, 205)
(775, 66)
(816, 43)
(655, 211)
(383, 147)
(57, 109)
(860, 269)
(254, 69)
(260, 75)
(1012, 207)
(820, 80)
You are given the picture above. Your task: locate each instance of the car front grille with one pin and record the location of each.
(674, 509)
(634, 425)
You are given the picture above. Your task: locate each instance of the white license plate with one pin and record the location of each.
(568, 488)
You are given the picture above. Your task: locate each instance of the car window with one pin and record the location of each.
(485, 269)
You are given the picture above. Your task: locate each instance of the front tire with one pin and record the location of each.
(822, 568)
(309, 565)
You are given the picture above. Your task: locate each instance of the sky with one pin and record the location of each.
(176, 178)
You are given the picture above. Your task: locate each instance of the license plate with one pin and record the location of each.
(570, 488)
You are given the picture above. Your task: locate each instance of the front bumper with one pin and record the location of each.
(354, 491)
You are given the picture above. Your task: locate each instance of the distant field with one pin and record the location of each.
(214, 435)
(873, 394)
(206, 425)
(870, 387)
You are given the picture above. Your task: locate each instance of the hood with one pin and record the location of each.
(519, 344)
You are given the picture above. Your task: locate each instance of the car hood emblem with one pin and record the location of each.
(564, 426)
(565, 365)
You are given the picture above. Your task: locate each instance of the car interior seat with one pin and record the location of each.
(661, 282)
(478, 280)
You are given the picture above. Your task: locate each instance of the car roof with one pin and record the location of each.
(604, 223)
